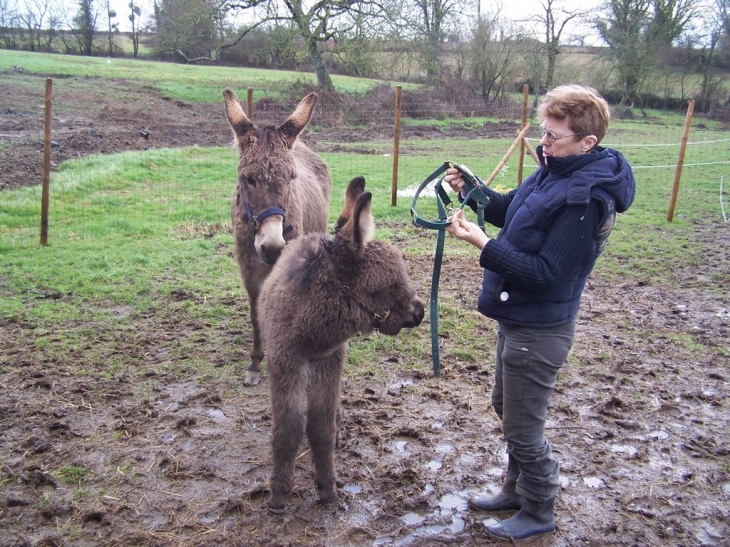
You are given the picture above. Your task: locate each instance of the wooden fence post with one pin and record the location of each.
(521, 162)
(396, 146)
(680, 160)
(520, 138)
(249, 103)
(46, 183)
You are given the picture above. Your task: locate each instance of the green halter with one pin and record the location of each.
(474, 188)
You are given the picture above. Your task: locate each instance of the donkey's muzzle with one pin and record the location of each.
(417, 313)
(270, 253)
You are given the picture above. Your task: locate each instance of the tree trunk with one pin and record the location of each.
(320, 68)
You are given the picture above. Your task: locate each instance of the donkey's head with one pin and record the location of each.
(374, 269)
(266, 170)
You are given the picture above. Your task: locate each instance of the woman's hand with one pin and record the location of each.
(466, 230)
(453, 179)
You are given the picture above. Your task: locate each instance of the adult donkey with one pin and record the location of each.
(283, 192)
(320, 293)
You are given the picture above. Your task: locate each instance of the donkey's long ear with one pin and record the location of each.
(354, 189)
(236, 116)
(356, 220)
(299, 119)
(363, 218)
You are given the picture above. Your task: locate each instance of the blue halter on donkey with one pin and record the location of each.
(474, 188)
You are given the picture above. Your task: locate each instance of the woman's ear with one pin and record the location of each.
(589, 142)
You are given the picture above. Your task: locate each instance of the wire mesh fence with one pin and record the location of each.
(141, 192)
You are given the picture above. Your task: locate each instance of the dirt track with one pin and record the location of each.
(169, 458)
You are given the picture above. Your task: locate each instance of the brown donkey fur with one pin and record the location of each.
(320, 293)
(283, 192)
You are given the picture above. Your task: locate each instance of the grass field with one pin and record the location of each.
(124, 228)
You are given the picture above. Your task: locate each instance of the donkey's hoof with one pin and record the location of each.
(252, 378)
(327, 497)
(277, 504)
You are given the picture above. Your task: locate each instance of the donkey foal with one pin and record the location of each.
(320, 293)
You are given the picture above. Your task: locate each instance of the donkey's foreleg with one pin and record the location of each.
(323, 406)
(287, 386)
(253, 373)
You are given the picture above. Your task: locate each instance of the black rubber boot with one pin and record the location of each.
(505, 500)
(535, 518)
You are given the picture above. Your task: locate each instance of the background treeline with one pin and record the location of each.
(638, 53)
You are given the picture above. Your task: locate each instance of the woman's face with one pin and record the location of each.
(559, 140)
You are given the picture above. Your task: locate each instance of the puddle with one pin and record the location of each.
(448, 515)
(454, 501)
(398, 387)
(624, 449)
(353, 488)
(659, 435)
(437, 425)
(726, 489)
(434, 465)
(400, 446)
(494, 472)
(411, 519)
(216, 415)
(428, 192)
(593, 482)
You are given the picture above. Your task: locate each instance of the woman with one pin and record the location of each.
(553, 228)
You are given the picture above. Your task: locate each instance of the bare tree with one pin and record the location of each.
(722, 8)
(135, 18)
(320, 25)
(429, 19)
(554, 19)
(9, 25)
(705, 37)
(624, 29)
(493, 55)
(188, 29)
(112, 26)
(31, 14)
(84, 26)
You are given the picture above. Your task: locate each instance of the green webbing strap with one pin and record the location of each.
(473, 186)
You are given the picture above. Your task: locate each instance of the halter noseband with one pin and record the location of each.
(256, 220)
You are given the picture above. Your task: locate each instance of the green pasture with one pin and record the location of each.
(116, 217)
(185, 82)
(128, 231)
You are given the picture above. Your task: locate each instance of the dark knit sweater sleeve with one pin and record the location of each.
(496, 211)
(570, 240)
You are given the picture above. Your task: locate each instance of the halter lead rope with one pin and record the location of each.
(474, 188)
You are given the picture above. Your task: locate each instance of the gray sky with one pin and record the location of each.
(511, 9)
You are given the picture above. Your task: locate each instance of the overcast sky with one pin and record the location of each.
(514, 10)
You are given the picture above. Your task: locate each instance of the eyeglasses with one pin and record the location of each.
(552, 137)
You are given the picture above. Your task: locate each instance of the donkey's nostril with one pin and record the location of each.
(270, 253)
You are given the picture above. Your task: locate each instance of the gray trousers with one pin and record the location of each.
(528, 362)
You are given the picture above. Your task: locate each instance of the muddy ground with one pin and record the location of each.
(640, 424)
